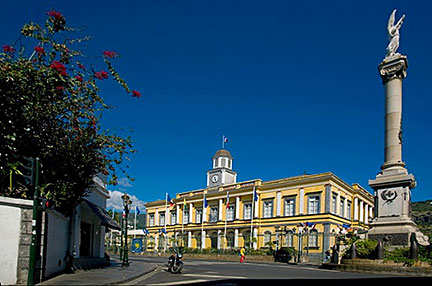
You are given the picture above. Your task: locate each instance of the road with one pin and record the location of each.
(235, 273)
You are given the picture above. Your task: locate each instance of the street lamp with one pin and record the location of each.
(126, 207)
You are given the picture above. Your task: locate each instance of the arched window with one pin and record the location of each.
(230, 239)
(289, 239)
(267, 238)
(214, 239)
(198, 239)
(313, 238)
(246, 238)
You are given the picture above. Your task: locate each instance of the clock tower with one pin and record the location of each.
(222, 173)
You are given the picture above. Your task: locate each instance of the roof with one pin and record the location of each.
(222, 153)
(103, 216)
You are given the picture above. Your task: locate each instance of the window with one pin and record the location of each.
(268, 208)
(151, 219)
(173, 217)
(162, 219)
(213, 214)
(348, 214)
(313, 238)
(230, 213)
(314, 204)
(186, 217)
(334, 198)
(289, 209)
(247, 211)
(223, 162)
(229, 164)
(342, 207)
(198, 217)
(267, 238)
(289, 239)
(215, 163)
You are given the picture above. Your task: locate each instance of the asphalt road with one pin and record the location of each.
(235, 273)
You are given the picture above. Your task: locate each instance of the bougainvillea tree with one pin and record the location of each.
(51, 108)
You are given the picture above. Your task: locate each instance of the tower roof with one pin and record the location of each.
(222, 153)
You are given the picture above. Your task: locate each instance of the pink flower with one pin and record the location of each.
(136, 94)
(8, 49)
(56, 15)
(60, 88)
(81, 66)
(110, 54)
(40, 51)
(101, 75)
(79, 78)
(58, 66)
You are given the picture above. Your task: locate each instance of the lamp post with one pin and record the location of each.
(126, 206)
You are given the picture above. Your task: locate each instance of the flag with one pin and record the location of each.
(255, 195)
(137, 210)
(225, 140)
(301, 224)
(205, 202)
(227, 200)
(169, 200)
(163, 230)
(146, 231)
(311, 225)
(185, 209)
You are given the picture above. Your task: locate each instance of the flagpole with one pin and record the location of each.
(226, 213)
(135, 223)
(252, 214)
(202, 222)
(166, 217)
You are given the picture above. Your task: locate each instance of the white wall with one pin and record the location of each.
(57, 242)
(10, 225)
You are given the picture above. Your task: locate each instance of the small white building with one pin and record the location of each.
(78, 239)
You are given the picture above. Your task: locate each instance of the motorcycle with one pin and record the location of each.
(175, 263)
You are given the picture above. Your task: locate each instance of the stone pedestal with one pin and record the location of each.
(392, 223)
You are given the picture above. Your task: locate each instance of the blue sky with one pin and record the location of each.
(292, 84)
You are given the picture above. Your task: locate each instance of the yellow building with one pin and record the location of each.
(306, 212)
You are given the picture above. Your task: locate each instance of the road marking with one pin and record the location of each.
(214, 276)
(179, 282)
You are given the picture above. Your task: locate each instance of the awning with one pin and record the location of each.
(103, 216)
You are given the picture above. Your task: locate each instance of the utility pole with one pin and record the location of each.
(34, 246)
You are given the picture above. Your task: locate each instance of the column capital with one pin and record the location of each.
(393, 67)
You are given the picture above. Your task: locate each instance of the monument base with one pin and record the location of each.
(392, 223)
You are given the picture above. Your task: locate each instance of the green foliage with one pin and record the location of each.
(366, 248)
(51, 109)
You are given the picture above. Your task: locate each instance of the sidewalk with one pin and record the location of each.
(112, 274)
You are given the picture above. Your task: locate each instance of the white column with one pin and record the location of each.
(256, 207)
(255, 235)
(278, 203)
(356, 209)
(301, 201)
(346, 214)
(189, 239)
(219, 241)
(237, 208)
(204, 211)
(156, 219)
(178, 214)
(338, 210)
(220, 209)
(361, 211)
(190, 212)
(366, 213)
(236, 234)
(203, 239)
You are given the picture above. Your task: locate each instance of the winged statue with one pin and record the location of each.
(393, 33)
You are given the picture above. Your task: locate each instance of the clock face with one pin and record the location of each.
(215, 178)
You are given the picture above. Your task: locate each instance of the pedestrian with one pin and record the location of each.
(242, 254)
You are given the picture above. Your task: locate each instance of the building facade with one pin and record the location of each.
(306, 212)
